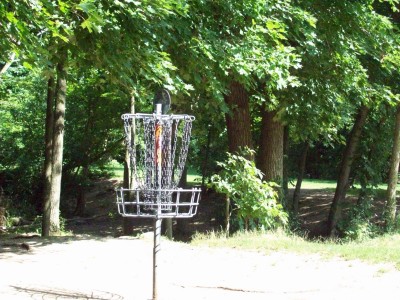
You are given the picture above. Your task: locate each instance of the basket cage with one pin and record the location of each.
(182, 203)
(157, 145)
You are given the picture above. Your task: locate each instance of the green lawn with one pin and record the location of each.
(117, 172)
(330, 186)
(316, 184)
(194, 178)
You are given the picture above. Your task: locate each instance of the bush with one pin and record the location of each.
(254, 201)
(357, 225)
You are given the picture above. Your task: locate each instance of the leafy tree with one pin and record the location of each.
(390, 209)
(94, 128)
(339, 74)
(21, 136)
(60, 34)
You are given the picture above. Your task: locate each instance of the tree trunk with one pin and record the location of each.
(364, 200)
(270, 156)
(81, 197)
(7, 64)
(128, 176)
(238, 120)
(52, 215)
(390, 207)
(227, 215)
(2, 217)
(302, 167)
(345, 168)
(285, 171)
(48, 156)
(204, 164)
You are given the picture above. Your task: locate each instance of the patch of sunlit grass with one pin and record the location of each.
(383, 249)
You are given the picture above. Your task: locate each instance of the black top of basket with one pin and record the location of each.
(162, 97)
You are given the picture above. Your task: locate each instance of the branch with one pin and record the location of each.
(8, 64)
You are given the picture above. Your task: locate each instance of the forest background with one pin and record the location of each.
(311, 87)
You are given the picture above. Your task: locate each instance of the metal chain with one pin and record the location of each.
(140, 135)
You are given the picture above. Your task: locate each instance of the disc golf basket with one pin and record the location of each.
(158, 146)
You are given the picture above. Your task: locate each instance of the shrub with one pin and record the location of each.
(357, 224)
(254, 201)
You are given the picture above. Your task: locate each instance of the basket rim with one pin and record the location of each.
(138, 189)
(154, 116)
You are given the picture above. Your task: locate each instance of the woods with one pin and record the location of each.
(326, 72)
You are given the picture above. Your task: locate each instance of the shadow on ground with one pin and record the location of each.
(102, 220)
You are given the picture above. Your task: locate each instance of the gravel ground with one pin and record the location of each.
(121, 268)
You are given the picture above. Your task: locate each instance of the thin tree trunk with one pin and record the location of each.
(2, 217)
(7, 64)
(128, 175)
(364, 201)
(238, 120)
(204, 164)
(227, 215)
(53, 213)
(81, 197)
(285, 172)
(270, 156)
(390, 207)
(345, 168)
(48, 156)
(300, 176)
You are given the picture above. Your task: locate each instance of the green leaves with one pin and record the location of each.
(254, 199)
(94, 20)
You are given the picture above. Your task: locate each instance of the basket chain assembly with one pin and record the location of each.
(158, 147)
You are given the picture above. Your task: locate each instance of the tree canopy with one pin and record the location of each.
(291, 71)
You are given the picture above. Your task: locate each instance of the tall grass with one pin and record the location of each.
(383, 249)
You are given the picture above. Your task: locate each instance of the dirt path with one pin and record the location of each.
(121, 268)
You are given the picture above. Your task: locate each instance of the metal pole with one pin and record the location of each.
(156, 249)
(157, 222)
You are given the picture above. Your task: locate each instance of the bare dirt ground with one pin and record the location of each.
(99, 263)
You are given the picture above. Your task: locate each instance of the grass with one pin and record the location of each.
(330, 186)
(317, 184)
(383, 249)
(193, 178)
(117, 171)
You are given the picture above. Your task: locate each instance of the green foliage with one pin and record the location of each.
(93, 124)
(343, 68)
(371, 165)
(358, 224)
(21, 134)
(255, 201)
